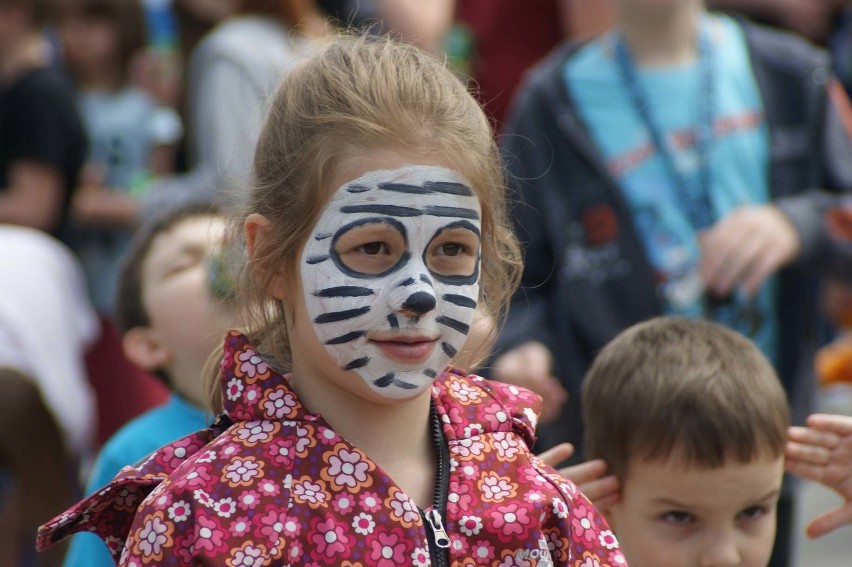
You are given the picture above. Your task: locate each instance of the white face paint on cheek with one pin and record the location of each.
(384, 303)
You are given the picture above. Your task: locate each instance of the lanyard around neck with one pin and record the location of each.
(695, 201)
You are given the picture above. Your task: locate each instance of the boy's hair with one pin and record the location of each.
(130, 309)
(689, 389)
(354, 95)
(128, 17)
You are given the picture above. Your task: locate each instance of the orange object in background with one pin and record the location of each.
(834, 362)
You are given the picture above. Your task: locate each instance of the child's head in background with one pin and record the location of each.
(377, 224)
(100, 38)
(692, 419)
(169, 317)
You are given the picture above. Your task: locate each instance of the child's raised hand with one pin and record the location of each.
(822, 452)
(603, 491)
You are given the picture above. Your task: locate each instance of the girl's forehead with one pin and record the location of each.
(406, 192)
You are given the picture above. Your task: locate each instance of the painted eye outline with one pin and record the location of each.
(341, 265)
(470, 279)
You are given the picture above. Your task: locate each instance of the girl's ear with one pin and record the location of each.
(144, 348)
(258, 230)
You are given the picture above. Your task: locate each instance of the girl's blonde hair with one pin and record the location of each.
(354, 95)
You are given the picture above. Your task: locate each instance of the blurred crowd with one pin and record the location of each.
(116, 113)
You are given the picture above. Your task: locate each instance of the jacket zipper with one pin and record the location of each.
(433, 521)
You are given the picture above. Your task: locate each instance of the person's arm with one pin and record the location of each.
(822, 452)
(525, 357)
(753, 243)
(33, 197)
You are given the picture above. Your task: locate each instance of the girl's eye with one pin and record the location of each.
(678, 518)
(451, 249)
(370, 249)
(375, 248)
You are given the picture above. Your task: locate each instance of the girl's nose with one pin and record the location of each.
(419, 303)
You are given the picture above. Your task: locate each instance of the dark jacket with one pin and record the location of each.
(587, 276)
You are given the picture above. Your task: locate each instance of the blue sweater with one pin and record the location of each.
(134, 441)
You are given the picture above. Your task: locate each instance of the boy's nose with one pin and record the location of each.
(722, 551)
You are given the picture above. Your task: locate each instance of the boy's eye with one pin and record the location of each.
(678, 518)
(752, 513)
(451, 249)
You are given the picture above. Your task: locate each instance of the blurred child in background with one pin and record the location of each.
(170, 322)
(131, 138)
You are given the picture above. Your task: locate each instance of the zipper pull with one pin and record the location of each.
(442, 540)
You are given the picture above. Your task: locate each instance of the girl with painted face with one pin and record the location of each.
(375, 232)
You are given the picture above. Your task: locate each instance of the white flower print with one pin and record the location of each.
(560, 508)
(179, 511)
(234, 389)
(363, 524)
(470, 525)
(225, 508)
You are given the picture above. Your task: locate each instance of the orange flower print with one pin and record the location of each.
(310, 492)
(254, 432)
(347, 469)
(250, 365)
(496, 488)
(249, 555)
(152, 537)
(242, 471)
(279, 403)
(402, 508)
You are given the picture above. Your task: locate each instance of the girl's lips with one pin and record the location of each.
(406, 351)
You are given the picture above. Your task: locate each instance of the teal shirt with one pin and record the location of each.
(137, 439)
(738, 157)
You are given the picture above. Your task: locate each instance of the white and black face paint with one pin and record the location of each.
(391, 275)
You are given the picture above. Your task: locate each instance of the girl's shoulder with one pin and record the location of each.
(463, 399)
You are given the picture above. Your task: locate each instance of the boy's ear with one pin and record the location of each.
(257, 231)
(144, 348)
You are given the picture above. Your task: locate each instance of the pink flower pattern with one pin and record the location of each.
(280, 486)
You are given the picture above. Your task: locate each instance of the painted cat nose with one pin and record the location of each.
(419, 303)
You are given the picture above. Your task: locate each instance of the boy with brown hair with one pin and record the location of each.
(692, 420)
(171, 316)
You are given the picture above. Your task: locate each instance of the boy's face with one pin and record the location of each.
(178, 301)
(676, 516)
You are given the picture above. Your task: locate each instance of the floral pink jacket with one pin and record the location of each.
(280, 487)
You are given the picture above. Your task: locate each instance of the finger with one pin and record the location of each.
(830, 521)
(805, 470)
(584, 472)
(809, 436)
(740, 263)
(839, 424)
(557, 454)
(767, 263)
(602, 488)
(810, 454)
(608, 501)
